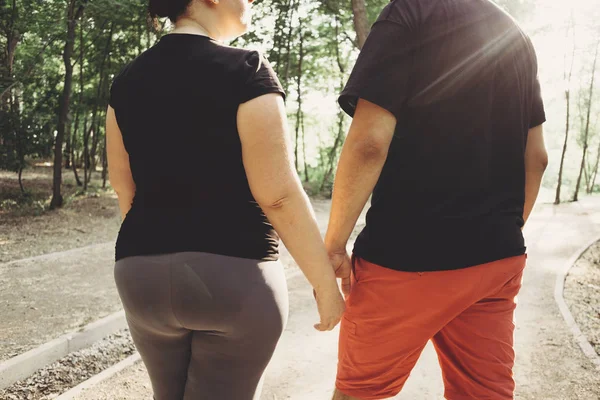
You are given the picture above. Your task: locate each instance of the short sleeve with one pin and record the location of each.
(116, 92)
(538, 115)
(261, 79)
(112, 98)
(382, 72)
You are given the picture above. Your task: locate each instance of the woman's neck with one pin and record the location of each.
(193, 27)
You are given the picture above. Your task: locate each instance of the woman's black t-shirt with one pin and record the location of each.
(176, 105)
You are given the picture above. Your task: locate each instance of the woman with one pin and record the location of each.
(199, 157)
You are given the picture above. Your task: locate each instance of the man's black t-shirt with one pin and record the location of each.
(176, 106)
(461, 78)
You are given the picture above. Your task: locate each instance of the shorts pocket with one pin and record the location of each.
(354, 262)
(348, 327)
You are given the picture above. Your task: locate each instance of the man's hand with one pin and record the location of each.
(342, 265)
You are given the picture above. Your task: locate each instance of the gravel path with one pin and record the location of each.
(71, 370)
(582, 294)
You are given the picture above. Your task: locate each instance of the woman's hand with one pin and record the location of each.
(331, 306)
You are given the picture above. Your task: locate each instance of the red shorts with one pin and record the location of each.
(467, 313)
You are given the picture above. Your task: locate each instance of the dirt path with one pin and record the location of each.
(51, 295)
(582, 294)
(550, 365)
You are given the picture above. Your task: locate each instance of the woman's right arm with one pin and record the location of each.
(119, 170)
(276, 187)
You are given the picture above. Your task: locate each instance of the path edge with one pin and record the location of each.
(99, 378)
(559, 288)
(55, 254)
(24, 365)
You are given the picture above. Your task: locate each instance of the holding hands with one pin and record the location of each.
(330, 303)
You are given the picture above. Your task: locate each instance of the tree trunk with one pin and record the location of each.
(86, 151)
(95, 141)
(67, 154)
(74, 163)
(299, 89)
(288, 46)
(73, 15)
(306, 177)
(104, 165)
(564, 149)
(20, 140)
(12, 40)
(568, 76)
(11, 103)
(74, 131)
(100, 116)
(106, 91)
(595, 170)
(101, 91)
(587, 174)
(280, 25)
(587, 123)
(21, 178)
(361, 22)
(586, 177)
(340, 128)
(333, 152)
(77, 112)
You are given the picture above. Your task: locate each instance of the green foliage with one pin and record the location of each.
(109, 34)
(311, 44)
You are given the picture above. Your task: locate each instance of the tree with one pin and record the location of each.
(75, 10)
(13, 141)
(17, 64)
(592, 183)
(361, 23)
(337, 144)
(299, 90)
(568, 76)
(586, 132)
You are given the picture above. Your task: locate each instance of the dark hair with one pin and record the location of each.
(172, 9)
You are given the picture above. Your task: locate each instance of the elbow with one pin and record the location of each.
(537, 162)
(280, 199)
(369, 151)
(542, 160)
(275, 204)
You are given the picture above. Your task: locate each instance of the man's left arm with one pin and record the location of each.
(362, 159)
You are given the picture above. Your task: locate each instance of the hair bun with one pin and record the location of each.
(159, 8)
(168, 8)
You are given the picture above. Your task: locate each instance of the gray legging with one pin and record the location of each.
(205, 325)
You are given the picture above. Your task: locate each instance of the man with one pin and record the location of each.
(447, 137)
